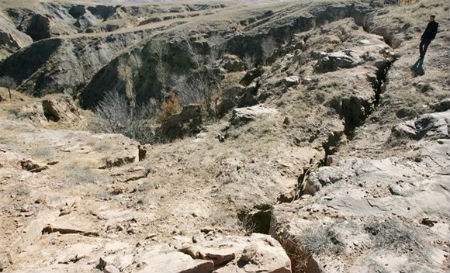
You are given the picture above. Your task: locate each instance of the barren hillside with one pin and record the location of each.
(223, 136)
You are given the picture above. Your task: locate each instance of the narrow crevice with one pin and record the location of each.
(381, 80)
(256, 220)
(354, 111)
(49, 111)
(330, 147)
(301, 260)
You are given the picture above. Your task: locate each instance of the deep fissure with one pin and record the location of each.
(380, 82)
(330, 147)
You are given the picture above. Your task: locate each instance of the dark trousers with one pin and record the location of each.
(424, 43)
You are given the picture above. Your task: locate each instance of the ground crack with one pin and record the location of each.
(379, 83)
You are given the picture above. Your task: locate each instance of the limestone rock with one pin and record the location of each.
(292, 80)
(363, 212)
(332, 61)
(75, 253)
(244, 115)
(430, 126)
(58, 108)
(167, 261)
(256, 253)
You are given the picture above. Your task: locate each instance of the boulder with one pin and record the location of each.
(322, 177)
(336, 60)
(255, 253)
(60, 108)
(292, 80)
(430, 126)
(186, 123)
(232, 63)
(245, 115)
(236, 96)
(162, 260)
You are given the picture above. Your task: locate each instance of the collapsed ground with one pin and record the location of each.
(323, 138)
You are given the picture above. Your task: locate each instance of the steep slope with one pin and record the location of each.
(67, 35)
(254, 38)
(11, 39)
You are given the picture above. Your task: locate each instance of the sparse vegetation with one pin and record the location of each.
(312, 241)
(76, 175)
(393, 235)
(320, 240)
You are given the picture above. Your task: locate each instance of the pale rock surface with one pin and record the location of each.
(244, 115)
(364, 209)
(430, 126)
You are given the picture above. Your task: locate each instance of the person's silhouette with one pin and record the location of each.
(428, 35)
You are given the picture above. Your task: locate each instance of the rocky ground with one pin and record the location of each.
(326, 153)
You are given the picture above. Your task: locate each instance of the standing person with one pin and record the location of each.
(428, 35)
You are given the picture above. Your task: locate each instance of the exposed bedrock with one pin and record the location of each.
(256, 44)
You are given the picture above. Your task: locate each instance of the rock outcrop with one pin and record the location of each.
(219, 254)
(363, 211)
(186, 123)
(11, 39)
(430, 126)
(241, 116)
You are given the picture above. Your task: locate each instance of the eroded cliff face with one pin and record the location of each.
(253, 37)
(164, 60)
(325, 151)
(85, 37)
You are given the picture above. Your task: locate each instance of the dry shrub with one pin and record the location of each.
(312, 241)
(201, 86)
(115, 114)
